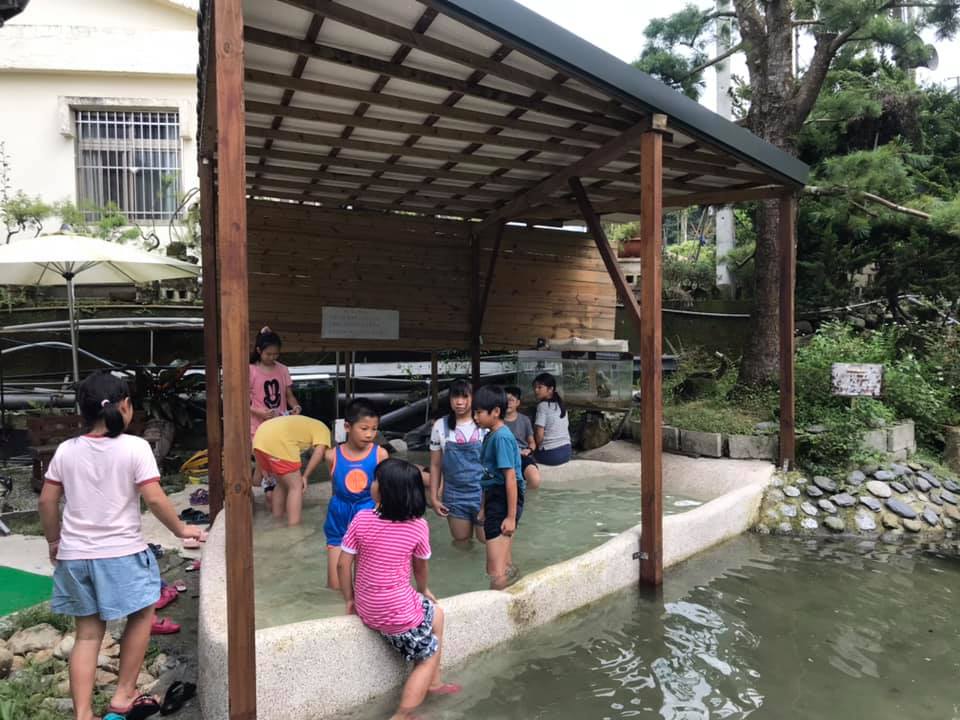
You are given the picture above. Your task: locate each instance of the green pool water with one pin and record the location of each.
(760, 627)
(558, 523)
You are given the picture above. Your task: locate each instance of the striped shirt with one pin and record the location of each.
(385, 549)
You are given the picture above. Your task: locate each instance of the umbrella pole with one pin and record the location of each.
(74, 342)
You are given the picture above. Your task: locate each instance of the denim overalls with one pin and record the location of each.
(462, 471)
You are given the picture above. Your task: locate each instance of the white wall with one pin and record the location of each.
(140, 51)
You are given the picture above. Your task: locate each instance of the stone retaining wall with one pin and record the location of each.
(476, 621)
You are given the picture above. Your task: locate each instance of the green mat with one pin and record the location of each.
(20, 589)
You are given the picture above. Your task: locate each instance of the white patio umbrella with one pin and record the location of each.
(68, 259)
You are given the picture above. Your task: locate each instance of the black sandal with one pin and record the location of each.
(177, 695)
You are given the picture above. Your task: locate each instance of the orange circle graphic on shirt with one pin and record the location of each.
(356, 481)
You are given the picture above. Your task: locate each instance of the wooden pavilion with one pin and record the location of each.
(406, 155)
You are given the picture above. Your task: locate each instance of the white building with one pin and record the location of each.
(98, 104)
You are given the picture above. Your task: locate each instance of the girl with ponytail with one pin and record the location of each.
(104, 569)
(551, 429)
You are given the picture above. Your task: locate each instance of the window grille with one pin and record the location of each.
(131, 159)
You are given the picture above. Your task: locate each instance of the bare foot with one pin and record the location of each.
(446, 689)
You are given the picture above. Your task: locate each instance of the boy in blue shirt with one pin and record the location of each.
(502, 483)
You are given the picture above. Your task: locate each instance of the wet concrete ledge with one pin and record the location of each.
(298, 665)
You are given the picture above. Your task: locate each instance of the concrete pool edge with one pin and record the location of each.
(300, 667)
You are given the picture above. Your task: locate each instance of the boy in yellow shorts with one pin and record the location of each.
(277, 445)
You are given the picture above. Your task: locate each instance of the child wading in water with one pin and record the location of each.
(388, 543)
(503, 485)
(104, 569)
(455, 468)
(352, 467)
(522, 430)
(552, 424)
(277, 446)
(271, 394)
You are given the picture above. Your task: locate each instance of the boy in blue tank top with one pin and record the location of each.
(352, 468)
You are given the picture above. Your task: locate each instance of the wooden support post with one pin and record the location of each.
(434, 384)
(787, 247)
(475, 309)
(235, 338)
(624, 289)
(651, 392)
(211, 334)
(488, 283)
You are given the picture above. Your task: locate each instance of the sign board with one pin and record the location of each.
(347, 323)
(856, 380)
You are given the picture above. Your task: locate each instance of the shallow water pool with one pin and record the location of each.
(759, 627)
(558, 523)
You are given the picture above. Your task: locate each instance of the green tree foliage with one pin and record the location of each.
(22, 213)
(676, 49)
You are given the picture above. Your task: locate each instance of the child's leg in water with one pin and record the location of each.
(425, 676)
(333, 557)
(499, 556)
(461, 529)
(83, 664)
(133, 647)
(289, 496)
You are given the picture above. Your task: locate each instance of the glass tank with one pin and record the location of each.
(589, 378)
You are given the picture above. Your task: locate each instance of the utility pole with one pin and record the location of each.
(725, 228)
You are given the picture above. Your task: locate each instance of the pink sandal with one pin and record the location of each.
(164, 626)
(167, 596)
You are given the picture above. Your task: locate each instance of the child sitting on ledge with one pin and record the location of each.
(388, 543)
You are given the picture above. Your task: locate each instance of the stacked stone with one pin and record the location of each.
(893, 501)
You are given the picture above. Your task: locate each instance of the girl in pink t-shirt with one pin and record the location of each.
(271, 393)
(388, 543)
(104, 569)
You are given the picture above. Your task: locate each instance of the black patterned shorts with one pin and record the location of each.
(417, 643)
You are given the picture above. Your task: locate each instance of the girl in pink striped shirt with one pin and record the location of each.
(386, 543)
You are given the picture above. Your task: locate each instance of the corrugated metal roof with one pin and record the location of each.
(458, 107)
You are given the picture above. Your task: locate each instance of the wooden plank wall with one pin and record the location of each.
(548, 283)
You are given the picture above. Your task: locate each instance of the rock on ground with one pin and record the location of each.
(38, 637)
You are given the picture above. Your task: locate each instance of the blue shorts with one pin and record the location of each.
(554, 456)
(112, 588)
(340, 514)
(417, 643)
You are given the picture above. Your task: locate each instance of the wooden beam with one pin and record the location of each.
(332, 141)
(585, 166)
(475, 309)
(278, 41)
(235, 339)
(488, 284)
(651, 340)
(383, 99)
(624, 289)
(458, 54)
(211, 335)
(419, 129)
(787, 249)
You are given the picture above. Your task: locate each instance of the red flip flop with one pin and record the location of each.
(164, 626)
(180, 586)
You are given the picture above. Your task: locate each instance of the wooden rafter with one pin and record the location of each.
(278, 41)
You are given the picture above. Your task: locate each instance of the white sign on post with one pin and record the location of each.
(347, 323)
(857, 380)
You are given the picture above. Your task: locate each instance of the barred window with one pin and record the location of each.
(131, 159)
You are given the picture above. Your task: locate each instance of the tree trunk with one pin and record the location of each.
(769, 47)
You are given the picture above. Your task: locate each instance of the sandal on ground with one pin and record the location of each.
(193, 516)
(167, 596)
(164, 626)
(446, 689)
(142, 707)
(193, 567)
(180, 586)
(177, 694)
(157, 550)
(199, 497)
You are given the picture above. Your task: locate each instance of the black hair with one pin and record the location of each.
(265, 338)
(98, 397)
(461, 387)
(358, 409)
(489, 397)
(550, 382)
(514, 390)
(401, 490)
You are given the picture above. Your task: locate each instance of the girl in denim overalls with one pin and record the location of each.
(455, 467)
